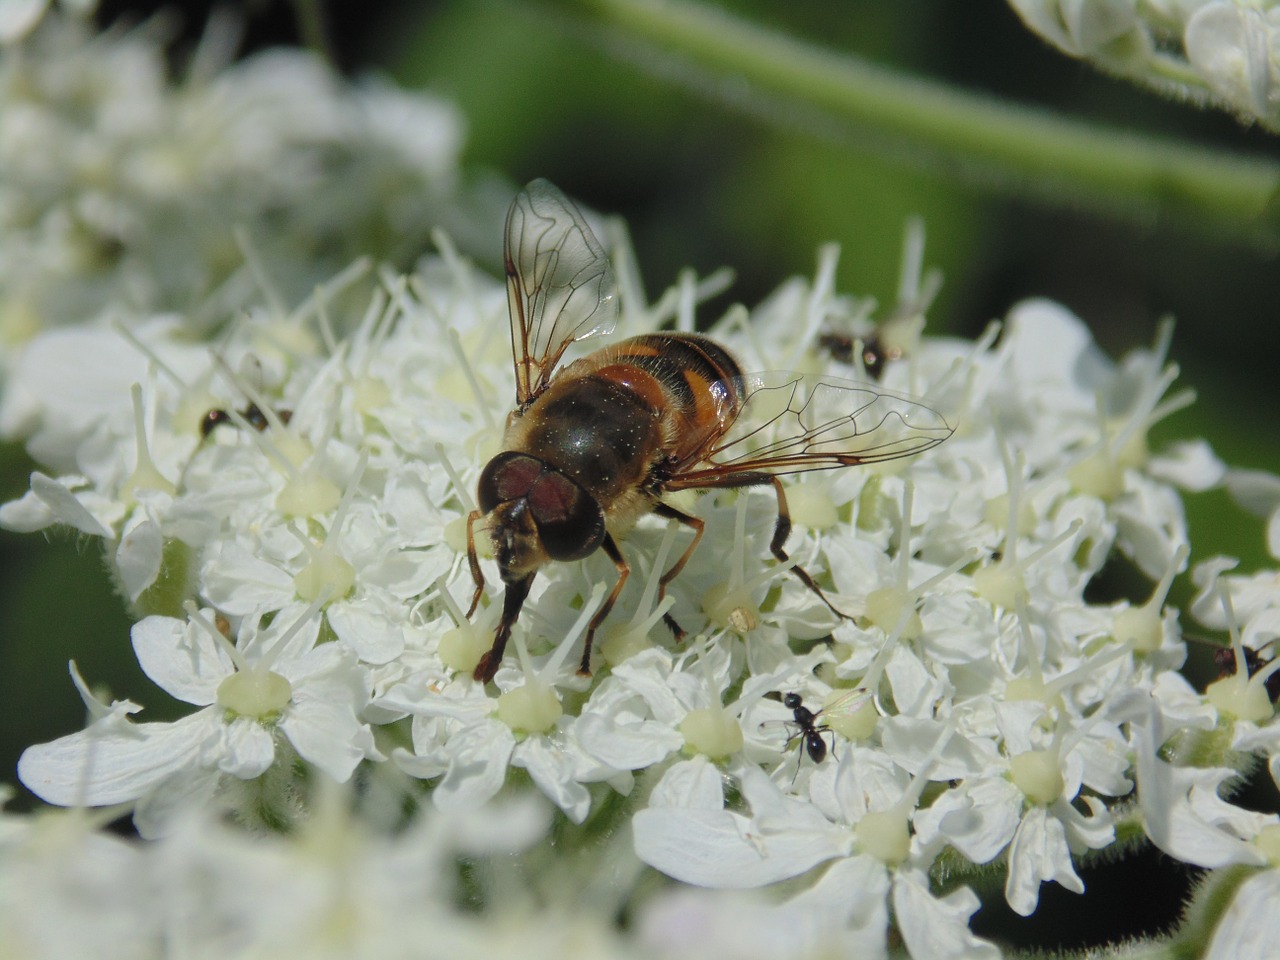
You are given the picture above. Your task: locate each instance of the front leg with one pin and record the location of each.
(624, 571)
(476, 573)
(512, 602)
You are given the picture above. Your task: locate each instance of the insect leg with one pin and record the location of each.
(476, 574)
(781, 531)
(624, 571)
(671, 513)
(512, 601)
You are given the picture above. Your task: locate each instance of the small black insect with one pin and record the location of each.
(804, 725)
(252, 415)
(1224, 658)
(874, 353)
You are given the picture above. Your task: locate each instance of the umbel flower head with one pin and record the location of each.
(299, 573)
(1220, 52)
(125, 190)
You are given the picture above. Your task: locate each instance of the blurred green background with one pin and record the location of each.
(710, 171)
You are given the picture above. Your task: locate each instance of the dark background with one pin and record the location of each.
(705, 183)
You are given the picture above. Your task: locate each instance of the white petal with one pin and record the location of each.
(191, 788)
(1052, 349)
(1038, 853)
(64, 506)
(937, 929)
(27, 514)
(1196, 832)
(17, 17)
(853, 891)
(368, 629)
(553, 771)
(139, 554)
(695, 784)
(328, 736)
(83, 768)
(244, 748)
(181, 658)
(718, 849)
(630, 746)
(1191, 465)
(1255, 490)
(1228, 46)
(1250, 929)
(978, 819)
(240, 583)
(478, 765)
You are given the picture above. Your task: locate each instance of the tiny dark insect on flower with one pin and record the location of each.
(597, 443)
(252, 415)
(804, 725)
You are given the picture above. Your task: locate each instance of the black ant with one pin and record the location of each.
(804, 726)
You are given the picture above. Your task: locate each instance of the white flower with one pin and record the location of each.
(1078, 27)
(69, 889)
(1223, 51)
(122, 191)
(1235, 48)
(996, 720)
(1249, 928)
(275, 681)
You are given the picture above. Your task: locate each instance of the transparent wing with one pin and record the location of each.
(843, 705)
(560, 285)
(789, 423)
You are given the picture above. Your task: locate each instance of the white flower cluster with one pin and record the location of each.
(1226, 52)
(303, 575)
(337, 888)
(123, 189)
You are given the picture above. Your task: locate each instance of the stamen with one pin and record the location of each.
(1141, 627)
(1238, 695)
(1002, 583)
(252, 259)
(731, 603)
(886, 834)
(622, 640)
(328, 571)
(885, 606)
(146, 475)
(534, 707)
(462, 647)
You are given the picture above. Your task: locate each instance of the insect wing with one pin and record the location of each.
(790, 423)
(560, 285)
(844, 705)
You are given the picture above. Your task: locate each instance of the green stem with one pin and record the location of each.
(1041, 151)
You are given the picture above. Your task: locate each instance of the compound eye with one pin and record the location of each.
(570, 522)
(508, 476)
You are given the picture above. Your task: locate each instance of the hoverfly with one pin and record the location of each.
(591, 447)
